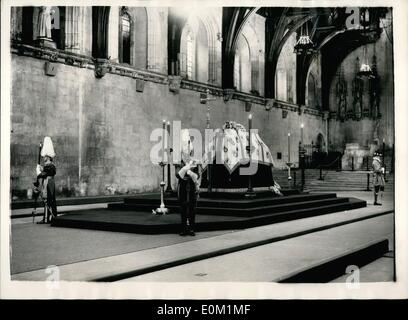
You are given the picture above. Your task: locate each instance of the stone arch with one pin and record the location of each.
(155, 19)
(212, 29)
(27, 28)
(125, 42)
(187, 57)
(139, 41)
(30, 16)
(205, 31)
(285, 77)
(138, 37)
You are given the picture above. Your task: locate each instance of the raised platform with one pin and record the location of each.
(69, 201)
(220, 211)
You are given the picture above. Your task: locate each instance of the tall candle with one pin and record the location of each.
(288, 147)
(163, 138)
(168, 139)
(168, 142)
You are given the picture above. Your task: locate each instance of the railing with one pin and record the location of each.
(336, 163)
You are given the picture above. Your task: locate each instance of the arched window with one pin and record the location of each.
(242, 65)
(27, 24)
(190, 55)
(124, 36)
(281, 90)
(197, 56)
(58, 34)
(31, 20)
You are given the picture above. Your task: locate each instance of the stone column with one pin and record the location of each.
(100, 23)
(44, 25)
(72, 18)
(326, 119)
(16, 23)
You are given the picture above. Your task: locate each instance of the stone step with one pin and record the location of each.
(147, 223)
(239, 202)
(124, 266)
(29, 203)
(235, 211)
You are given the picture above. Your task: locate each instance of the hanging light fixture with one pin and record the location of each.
(365, 68)
(304, 45)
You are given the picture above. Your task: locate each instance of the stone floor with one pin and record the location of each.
(276, 260)
(34, 247)
(380, 270)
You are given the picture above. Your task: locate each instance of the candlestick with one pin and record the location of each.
(169, 190)
(250, 191)
(168, 138)
(162, 209)
(289, 147)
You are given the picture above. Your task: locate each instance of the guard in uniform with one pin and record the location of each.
(378, 178)
(45, 178)
(187, 193)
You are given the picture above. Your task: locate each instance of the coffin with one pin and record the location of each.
(228, 156)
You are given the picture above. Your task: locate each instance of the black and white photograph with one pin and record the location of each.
(202, 149)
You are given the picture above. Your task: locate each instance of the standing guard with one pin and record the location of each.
(45, 179)
(187, 193)
(378, 178)
(187, 173)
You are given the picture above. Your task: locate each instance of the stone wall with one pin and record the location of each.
(285, 78)
(313, 94)
(101, 127)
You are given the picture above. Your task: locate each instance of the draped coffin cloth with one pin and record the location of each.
(228, 153)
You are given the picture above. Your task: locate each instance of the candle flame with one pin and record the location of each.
(301, 125)
(250, 116)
